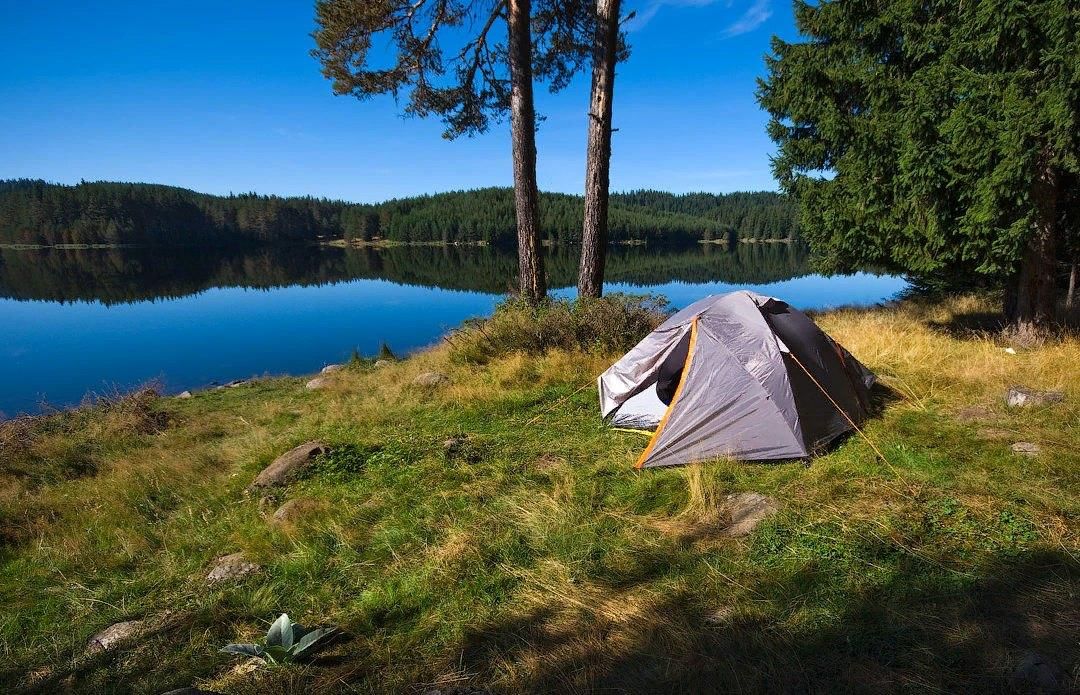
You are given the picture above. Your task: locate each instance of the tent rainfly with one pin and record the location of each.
(738, 375)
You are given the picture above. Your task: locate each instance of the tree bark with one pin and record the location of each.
(1030, 303)
(523, 135)
(594, 232)
(1072, 287)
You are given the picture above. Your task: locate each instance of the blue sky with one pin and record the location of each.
(223, 96)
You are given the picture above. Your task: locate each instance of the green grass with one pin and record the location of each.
(533, 558)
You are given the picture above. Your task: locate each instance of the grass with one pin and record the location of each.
(531, 557)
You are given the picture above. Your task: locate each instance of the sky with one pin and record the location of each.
(224, 97)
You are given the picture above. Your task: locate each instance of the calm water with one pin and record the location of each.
(96, 320)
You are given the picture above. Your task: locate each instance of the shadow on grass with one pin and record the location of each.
(902, 636)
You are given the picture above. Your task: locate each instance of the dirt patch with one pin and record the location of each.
(545, 462)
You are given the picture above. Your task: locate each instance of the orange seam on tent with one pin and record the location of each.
(674, 398)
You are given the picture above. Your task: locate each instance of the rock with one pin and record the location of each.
(317, 383)
(974, 413)
(1025, 448)
(1022, 397)
(184, 394)
(747, 510)
(1037, 673)
(430, 379)
(289, 464)
(379, 364)
(237, 384)
(331, 368)
(292, 510)
(113, 635)
(231, 567)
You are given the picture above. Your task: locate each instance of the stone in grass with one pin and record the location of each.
(430, 380)
(379, 364)
(1037, 673)
(317, 383)
(1023, 397)
(331, 368)
(286, 466)
(230, 568)
(184, 394)
(746, 510)
(1026, 448)
(113, 635)
(293, 510)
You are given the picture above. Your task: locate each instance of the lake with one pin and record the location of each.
(97, 321)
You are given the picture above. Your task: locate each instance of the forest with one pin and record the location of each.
(35, 212)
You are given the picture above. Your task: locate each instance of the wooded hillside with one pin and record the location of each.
(37, 212)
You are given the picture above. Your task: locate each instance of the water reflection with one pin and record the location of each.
(117, 275)
(93, 320)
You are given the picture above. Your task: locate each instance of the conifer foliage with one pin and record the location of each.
(936, 138)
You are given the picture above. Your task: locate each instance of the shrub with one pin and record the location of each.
(611, 324)
(43, 449)
(285, 642)
(385, 353)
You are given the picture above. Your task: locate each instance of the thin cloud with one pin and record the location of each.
(644, 16)
(754, 17)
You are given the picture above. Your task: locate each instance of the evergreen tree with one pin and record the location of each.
(936, 138)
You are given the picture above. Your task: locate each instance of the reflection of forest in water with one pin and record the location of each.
(116, 275)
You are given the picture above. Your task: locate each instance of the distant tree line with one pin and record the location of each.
(37, 212)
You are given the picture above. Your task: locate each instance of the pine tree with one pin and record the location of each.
(490, 75)
(936, 138)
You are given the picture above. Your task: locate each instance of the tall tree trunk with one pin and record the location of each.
(594, 232)
(523, 134)
(1072, 287)
(1030, 303)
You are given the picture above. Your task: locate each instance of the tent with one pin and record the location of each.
(738, 375)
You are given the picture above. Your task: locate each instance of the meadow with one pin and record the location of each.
(527, 555)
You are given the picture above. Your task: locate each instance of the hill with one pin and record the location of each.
(489, 535)
(41, 213)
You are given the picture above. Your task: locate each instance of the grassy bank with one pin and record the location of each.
(531, 557)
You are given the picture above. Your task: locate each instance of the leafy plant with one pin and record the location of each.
(286, 642)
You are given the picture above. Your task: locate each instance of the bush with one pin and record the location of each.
(385, 353)
(611, 324)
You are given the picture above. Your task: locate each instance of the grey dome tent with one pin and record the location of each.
(739, 375)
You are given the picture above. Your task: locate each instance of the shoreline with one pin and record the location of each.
(375, 244)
